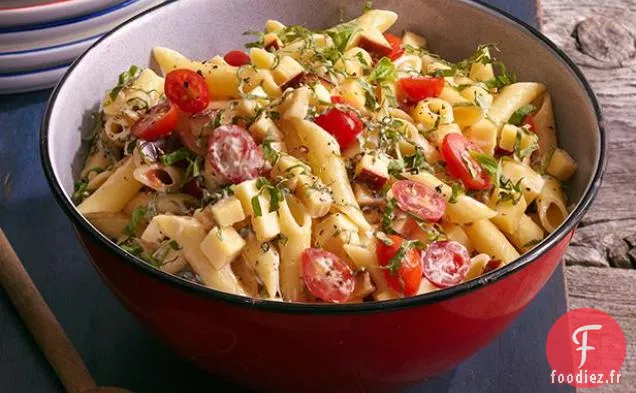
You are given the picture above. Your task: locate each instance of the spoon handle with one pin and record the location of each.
(41, 322)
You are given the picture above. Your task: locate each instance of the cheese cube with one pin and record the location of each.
(222, 246)
(373, 169)
(334, 232)
(228, 211)
(562, 165)
(286, 70)
(264, 128)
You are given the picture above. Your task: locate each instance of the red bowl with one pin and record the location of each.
(283, 347)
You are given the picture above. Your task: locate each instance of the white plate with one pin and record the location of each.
(19, 13)
(60, 32)
(31, 81)
(44, 57)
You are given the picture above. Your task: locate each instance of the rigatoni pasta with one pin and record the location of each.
(339, 165)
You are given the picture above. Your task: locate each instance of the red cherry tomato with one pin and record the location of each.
(233, 155)
(461, 165)
(491, 265)
(344, 126)
(193, 188)
(187, 90)
(529, 121)
(419, 200)
(236, 58)
(409, 275)
(396, 46)
(326, 276)
(446, 263)
(417, 88)
(337, 100)
(160, 121)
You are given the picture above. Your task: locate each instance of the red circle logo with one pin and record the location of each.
(586, 348)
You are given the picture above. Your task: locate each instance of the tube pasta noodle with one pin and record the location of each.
(551, 205)
(189, 234)
(545, 127)
(296, 228)
(325, 165)
(113, 195)
(511, 98)
(487, 239)
(527, 235)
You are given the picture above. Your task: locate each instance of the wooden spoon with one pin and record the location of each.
(43, 325)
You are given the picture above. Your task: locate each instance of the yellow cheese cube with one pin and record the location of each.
(228, 211)
(222, 245)
(286, 70)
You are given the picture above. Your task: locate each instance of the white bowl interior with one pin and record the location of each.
(202, 28)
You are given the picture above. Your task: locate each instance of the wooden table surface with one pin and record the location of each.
(599, 36)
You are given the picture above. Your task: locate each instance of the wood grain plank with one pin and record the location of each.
(609, 290)
(599, 37)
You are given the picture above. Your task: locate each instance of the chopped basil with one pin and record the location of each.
(388, 215)
(488, 163)
(137, 215)
(521, 113)
(395, 262)
(341, 35)
(269, 153)
(132, 246)
(383, 71)
(176, 156)
(256, 206)
(508, 190)
(81, 192)
(259, 39)
(124, 78)
(416, 162)
(522, 153)
(456, 190)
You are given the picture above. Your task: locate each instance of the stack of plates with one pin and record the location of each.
(39, 39)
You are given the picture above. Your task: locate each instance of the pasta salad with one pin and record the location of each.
(340, 165)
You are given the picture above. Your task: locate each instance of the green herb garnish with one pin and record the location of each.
(383, 71)
(521, 113)
(488, 163)
(124, 78)
(137, 215)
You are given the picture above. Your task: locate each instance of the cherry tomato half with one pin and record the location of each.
(417, 88)
(446, 263)
(337, 99)
(233, 155)
(409, 275)
(236, 58)
(419, 200)
(396, 46)
(529, 121)
(326, 276)
(344, 126)
(461, 165)
(160, 121)
(187, 90)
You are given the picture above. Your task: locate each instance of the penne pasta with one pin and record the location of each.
(325, 166)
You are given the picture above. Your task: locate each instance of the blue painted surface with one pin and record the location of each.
(120, 353)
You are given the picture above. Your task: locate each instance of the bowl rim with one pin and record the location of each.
(339, 309)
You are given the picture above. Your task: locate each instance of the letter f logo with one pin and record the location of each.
(583, 344)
